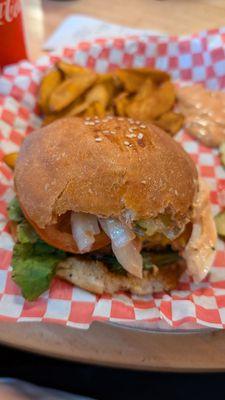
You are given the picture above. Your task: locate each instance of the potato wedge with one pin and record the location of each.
(220, 223)
(100, 95)
(10, 159)
(70, 90)
(166, 97)
(95, 109)
(146, 90)
(171, 122)
(112, 79)
(141, 93)
(101, 92)
(133, 78)
(67, 111)
(78, 108)
(106, 77)
(130, 80)
(121, 102)
(222, 153)
(152, 106)
(48, 84)
(49, 118)
(69, 70)
(156, 75)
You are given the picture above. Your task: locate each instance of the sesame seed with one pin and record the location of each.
(140, 136)
(86, 123)
(120, 119)
(109, 117)
(105, 132)
(87, 118)
(113, 132)
(176, 192)
(105, 120)
(91, 123)
(130, 130)
(137, 122)
(126, 143)
(143, 126)
(144, 182)
(98, 139)
(130, 135)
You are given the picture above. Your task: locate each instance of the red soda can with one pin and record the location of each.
(12, 37)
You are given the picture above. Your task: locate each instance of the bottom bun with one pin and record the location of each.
(95, 277)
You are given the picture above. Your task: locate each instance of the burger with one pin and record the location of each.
(108, 204)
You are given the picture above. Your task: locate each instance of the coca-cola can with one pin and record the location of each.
(12, 36)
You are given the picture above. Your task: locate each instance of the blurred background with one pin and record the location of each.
(175, 17)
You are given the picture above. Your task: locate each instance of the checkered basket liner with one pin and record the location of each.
(196, 58)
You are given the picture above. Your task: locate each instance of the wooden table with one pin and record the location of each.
(103, 343)
(107, 344)
(172, 16)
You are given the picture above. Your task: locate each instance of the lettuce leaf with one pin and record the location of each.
(14, 211)
(26, 233)
(34, 267)
(33, 261)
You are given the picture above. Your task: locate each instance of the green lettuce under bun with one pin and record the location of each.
(34, 267)
(14, 211)
(25, 233)
(34, 261)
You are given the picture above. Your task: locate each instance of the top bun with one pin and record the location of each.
(109, 167)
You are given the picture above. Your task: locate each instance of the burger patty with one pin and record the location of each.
(95, 276)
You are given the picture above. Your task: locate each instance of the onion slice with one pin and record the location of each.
(200, 250)
(119, 233)
(130, 258)
(84, 228)
(124, 246)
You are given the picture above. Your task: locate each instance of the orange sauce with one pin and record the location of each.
(204, 111)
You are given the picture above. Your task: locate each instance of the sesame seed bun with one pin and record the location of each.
(108, 167)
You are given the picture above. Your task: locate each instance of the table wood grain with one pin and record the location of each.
(171, 16)
(107, 344)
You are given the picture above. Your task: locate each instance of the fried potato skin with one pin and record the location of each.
(70, 90)
(48, 85)
(10, 159)
(171, 122)
(144, 94)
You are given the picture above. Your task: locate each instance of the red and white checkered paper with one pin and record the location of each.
(196, 58)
